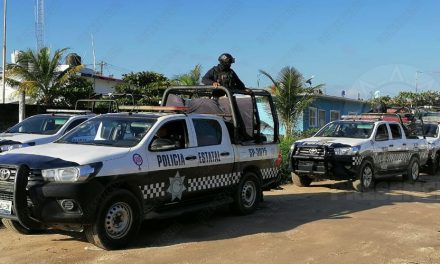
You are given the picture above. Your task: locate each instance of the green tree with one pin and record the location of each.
(291, 96)
(189, 79)
(408, 99)
(75, 88)
(147, 87)
(38, 75)
(374, 102)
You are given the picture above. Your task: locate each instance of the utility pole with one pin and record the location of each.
(101, 66)
(39, 34)
(417, 79)
(4, 51)
(39, 25)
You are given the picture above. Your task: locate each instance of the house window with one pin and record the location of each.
(334, 115)
(321, 118)
(312, 117)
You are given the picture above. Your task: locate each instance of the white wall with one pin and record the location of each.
(103, 86)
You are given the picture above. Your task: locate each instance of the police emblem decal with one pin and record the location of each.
(137, 159)
(5, 174)
(176, 187)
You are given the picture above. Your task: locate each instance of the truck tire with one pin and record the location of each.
(432, 170)
(117, 222)
(301, 180)
(15, 226)
(413, 170)
(365, 179)
(248, 194)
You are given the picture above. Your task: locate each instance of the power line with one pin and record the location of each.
(119, 68)
(103, 64)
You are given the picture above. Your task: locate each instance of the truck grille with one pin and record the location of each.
(311, 151)
(6, 196)
(7, 181)
(311, 166)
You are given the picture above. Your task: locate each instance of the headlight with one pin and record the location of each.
(294, 148)
(10, 147)
(347, 151)
(68, 174)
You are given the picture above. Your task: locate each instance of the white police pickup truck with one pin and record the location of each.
(362, 148)
(114, 170)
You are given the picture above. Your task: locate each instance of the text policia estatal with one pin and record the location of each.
(172, 160)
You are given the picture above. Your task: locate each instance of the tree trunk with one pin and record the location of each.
(21, 106)
(288, 128)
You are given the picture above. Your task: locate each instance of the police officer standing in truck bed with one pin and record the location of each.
(223, 75)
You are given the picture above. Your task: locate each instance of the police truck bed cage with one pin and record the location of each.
(94, 104)
(240, 109)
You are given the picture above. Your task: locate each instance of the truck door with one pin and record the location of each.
(215, 157)
(381, 147)
(396, 147)
(172, 161)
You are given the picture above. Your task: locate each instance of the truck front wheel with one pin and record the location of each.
(248, 194)
(301, 180)
(117, 222)
(413, 170)
(365, 180)
(15, 226)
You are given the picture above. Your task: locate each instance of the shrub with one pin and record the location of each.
(285, 144)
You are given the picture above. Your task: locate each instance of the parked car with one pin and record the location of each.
(42, 128)
(361, 148)
(114, 170)
(431, 125)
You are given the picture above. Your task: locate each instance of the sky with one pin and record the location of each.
(360, 47)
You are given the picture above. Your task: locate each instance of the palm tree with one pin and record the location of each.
(38, 75)
(189, 79)
(291, 96)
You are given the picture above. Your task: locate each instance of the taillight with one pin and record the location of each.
(279, 160)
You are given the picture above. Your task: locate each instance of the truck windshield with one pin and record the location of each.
(347, 129)
(40, 124)
(110, 131)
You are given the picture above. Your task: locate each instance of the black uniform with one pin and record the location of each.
(226, 77)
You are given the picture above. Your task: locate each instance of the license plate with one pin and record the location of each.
(5, 207)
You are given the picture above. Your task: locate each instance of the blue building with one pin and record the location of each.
(327, 108)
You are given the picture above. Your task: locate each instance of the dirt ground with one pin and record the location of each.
(325, 223)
